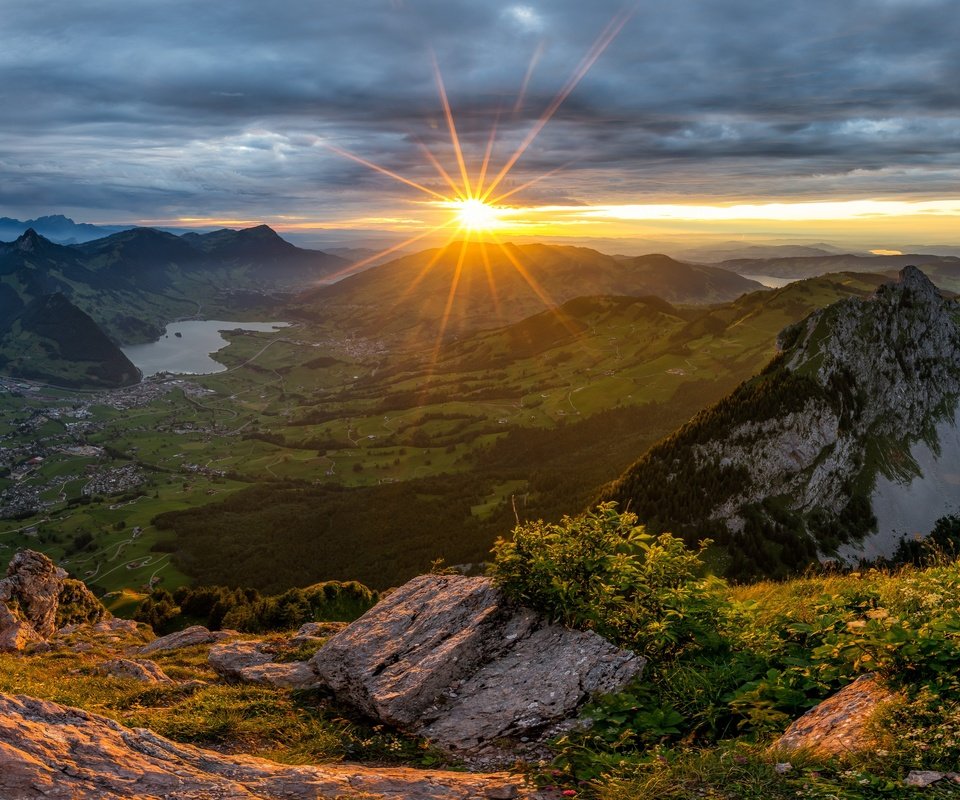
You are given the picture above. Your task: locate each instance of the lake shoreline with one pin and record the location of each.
(187, 347)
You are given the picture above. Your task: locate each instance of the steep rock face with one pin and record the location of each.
(801, 446)
(450, 658)
(60, 753)
(33, 583)
(36, 597)
(886, 365)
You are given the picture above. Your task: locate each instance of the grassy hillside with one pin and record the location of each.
(53, 341)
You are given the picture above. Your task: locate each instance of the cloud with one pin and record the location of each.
(125, 110)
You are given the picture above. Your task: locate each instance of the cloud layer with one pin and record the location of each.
(134, 110)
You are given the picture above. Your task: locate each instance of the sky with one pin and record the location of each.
(740, 119)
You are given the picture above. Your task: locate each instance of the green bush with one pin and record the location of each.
(603, 572)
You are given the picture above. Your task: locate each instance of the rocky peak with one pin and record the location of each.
(891, 360)
(36, 596)
(857, 384)
(33, 583)
(29, 241)
(916, 281)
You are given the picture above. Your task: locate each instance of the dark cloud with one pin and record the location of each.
(133, 109)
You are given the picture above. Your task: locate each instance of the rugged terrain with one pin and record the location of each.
(789, 461)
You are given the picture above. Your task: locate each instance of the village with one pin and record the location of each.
(40, 426)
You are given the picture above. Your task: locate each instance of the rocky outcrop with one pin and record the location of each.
(838, 726)
(188, 637)
(253, 662)
(857, 384)
(886, 364)
(450, 658)
(142, 670)
(58, 753)
(36, 596)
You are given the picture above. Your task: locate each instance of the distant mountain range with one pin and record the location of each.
(485, 286)
(56, 228)
(725, 251)
(849, 433)
(944, 270)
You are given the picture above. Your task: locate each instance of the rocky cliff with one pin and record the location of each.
(37, 597)
(788, 464)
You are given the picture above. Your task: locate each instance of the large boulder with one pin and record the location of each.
(839, 726)
(451, 658)
(55, 752)
(37, 597)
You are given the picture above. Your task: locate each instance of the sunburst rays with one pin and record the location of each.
(474, 204)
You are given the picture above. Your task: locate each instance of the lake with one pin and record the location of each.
(189, 353)
(770, 281)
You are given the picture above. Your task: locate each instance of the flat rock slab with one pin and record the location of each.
(188, 637)
(286, 675)
(252, 662)
(839, 725)
(59, 753)
(541, 681)
(450, 658)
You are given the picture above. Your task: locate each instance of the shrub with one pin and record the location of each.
(602, 571)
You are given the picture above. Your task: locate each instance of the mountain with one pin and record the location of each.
(546, 409)
(57, 228)
(53, 341)
(133, 282)
(823, 446)
(477, 286)
(128, 286)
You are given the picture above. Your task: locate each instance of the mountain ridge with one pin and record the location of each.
(785, 465)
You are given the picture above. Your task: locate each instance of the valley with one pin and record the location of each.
(322, 451)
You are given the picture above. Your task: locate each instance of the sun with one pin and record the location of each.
(475, 215)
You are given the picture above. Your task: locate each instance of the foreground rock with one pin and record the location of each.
(36, 597)
(253, 662)
(839, 725)
(448, 657)
(188, 637)
(58, 753)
